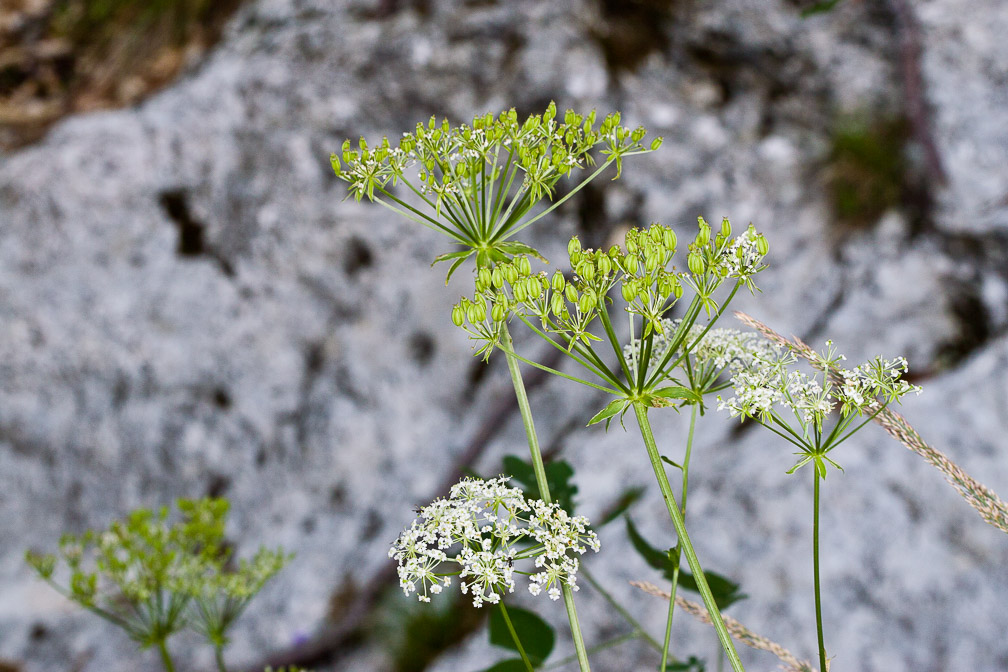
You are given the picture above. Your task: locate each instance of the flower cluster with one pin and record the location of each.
(768, 381)
(642, 269)
(712, 351)
(483, 528)
(479, 183)
(153, 578)
(453, 159)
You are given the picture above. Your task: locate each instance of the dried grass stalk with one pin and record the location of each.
(736, 629)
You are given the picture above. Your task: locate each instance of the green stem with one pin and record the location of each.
(219, 657)
(678, 552)
(540, 474)
(165, 658)
(640, 410)
(815, 568)
(639, 630)
(514, 637)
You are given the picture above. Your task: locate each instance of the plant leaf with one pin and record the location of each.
(611, 409)
(725, 591)
(535, 634)
(668, 461)
(558, 477)
(508, 665)
(675, 392)
(627, 499)
(514, 247)
(819, 8)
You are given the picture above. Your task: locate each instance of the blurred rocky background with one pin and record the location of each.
(188, 306)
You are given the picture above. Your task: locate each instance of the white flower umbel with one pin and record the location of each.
(493, 527)
(768, 388)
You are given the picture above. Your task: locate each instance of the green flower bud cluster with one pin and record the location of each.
(154, 579)
(649, 287)
(478, 183)
(714, 259)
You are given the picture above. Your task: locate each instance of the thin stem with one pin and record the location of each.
(607, 596)
(682, 506)
(165, 658)
(540, 474)
(815, 568)
(640, 410)
(219, 657)
(514, 637)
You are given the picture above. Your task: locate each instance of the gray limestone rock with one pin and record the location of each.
(190, 306)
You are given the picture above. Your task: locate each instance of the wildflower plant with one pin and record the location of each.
(481, 184)
(769, 388)
(573, 315)
(154, 579)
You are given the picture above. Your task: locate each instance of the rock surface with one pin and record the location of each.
(190, 307)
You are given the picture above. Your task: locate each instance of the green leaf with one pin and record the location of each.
(819, 8)
(462, 254)
(694, 664)
(513, 247)
(652, 556)
(536, 635)
(558, 477)
(668, 461)
(509, 665)
(674, 392)
(611, 409)
(627, 499)
(725, 591)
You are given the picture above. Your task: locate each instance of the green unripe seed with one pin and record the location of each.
(762, 245)
(511, 274)
(557, 304)
(604, 265)
(458, 315)
(696, 263)
(628, 292)
(725, 227)
(631, 263)
(587, 271)
(558, 282)
(524, 267)
(497, 278)
(587, 302)
(571, 293)
(655, 233)
(498, 313)
(573, 247)
(483, 279)
(669, 239)
(656, 143)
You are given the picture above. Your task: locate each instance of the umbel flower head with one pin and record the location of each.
(479, 183)
(711, 352)
(482, 533)
(770, 388)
